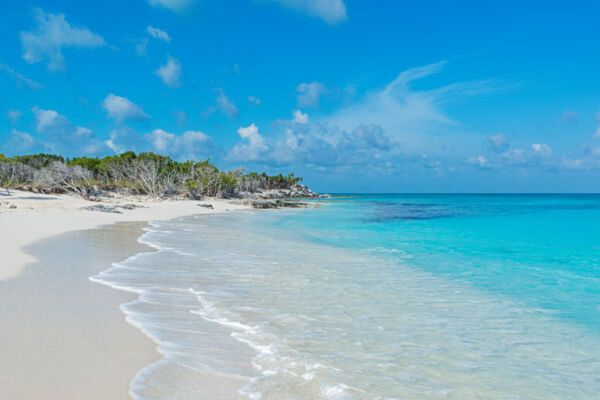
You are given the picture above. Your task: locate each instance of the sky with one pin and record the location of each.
(352, 95)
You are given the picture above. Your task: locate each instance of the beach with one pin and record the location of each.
(364, 297)
(64, 336)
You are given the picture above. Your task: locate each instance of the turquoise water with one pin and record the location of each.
(373, 297)
(541, 249)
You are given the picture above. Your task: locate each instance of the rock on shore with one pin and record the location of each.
(272, 203)
(296, 191)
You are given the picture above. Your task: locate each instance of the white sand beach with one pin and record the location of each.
(37, 216)
(64, 336)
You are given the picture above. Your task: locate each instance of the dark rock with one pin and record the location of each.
(102, 208)
(129, 206)
(206, 205)
(272, 203)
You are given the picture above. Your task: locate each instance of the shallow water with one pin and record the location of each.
(374, 297)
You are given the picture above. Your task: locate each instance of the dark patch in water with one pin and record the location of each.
(391, 211)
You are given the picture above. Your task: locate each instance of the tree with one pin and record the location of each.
(67, 178)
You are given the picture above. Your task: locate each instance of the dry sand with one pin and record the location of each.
(39, 216)
(61, 335)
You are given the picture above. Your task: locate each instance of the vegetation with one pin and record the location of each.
(145, 173)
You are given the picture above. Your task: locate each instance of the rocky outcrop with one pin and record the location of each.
(129, 206)
(102, 208)
(272, 203)
(296, 191)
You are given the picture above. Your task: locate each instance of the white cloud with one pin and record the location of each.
(190, 145)
(14, 116)
(589, 160)
(227, 106)
(124, 139)
(300, 118)
(414, 117)
(19, 78)
(48, 119)
(170, 72)
(253, 147)
(542, 149)
(161, 140)
(310, 94)
(61, 136)
(53, 33)
(173, 5)
(224, 105)
(479, 161)
(119, 108)
(331, 11)
(20, 141)
(539, 156)
(316, 145)
(498, 142)
(158, 33)
(254, 100)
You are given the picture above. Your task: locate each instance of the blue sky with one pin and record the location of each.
(356, 96)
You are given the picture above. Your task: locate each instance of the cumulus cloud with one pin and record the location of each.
(315, 145)
(51, 35)
(310, 94)
(331, 11)
(479, 161)
(173, 5)
(119, 108)
(539, 156)
(373, 136)
(170, 73)
(541, 149)
(300, 118)
(20, 80)
(190, 144)
(14, 116)
(125, 139)
(224, 105)
(158, 34)
(503, 155)
(253, 147)
(61, 136)
(588, 161)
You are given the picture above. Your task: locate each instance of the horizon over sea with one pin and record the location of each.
(374, 296)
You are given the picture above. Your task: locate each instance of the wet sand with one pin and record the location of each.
(63, 336)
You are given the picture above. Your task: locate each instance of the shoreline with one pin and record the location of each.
(39, 216)
(64, 334)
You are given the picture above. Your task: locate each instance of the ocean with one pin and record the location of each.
(373, 297)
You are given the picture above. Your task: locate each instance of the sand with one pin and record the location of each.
(39, 216)
(63, 336)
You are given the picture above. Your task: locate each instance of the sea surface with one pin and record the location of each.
(373, 297)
